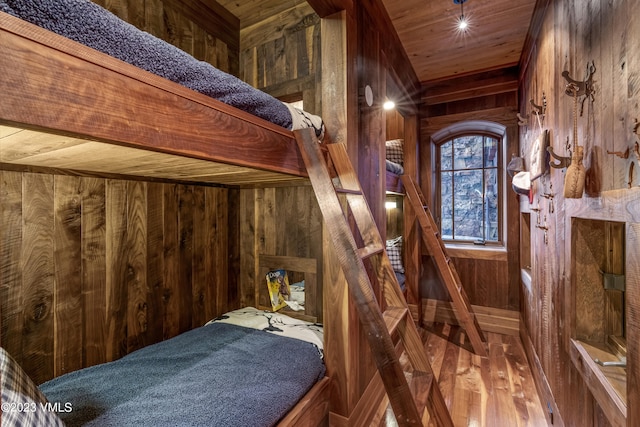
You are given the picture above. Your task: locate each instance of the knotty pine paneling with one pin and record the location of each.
(92, 268)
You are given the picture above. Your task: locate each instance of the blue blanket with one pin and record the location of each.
(88, 23)
(218, 375)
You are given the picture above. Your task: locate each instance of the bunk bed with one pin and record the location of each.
(99, 111)
(68, 107)
(247, 367)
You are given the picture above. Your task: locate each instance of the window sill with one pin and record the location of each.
(494, 253)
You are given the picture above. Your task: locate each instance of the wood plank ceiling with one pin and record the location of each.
(427, 30)
(438, 50)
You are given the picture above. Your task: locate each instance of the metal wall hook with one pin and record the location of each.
(621, 154)
(522, 121)
(537, 210)
(562, 161)
(539, 110)
(546, 230)
(636, 127)
(582, 88)
(636, 130)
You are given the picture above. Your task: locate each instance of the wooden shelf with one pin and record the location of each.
(607, 384)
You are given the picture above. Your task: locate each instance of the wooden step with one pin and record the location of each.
(349, 191)
(393, 317)
(370, 250)
(421, 386)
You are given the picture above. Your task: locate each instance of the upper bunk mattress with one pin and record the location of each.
(93, 26)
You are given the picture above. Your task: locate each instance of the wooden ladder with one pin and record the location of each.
(446, 269)
(379, 326)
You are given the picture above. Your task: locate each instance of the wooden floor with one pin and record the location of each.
(496, 391)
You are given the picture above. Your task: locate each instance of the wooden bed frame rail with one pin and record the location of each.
(52, 84)
(312, 409)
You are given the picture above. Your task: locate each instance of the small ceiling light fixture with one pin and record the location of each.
(388, 105)
(463, 24)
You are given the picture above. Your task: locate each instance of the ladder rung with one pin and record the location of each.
(433, 239)
(348, 191)
(397, 317)
(421, 383)
(393, 316)
(370, 250)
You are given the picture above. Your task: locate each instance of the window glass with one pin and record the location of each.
(468, 152)
(445, 156)
(490, 153)
(467, 206)
(469, 187)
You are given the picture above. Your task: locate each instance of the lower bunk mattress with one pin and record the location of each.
(220, 374)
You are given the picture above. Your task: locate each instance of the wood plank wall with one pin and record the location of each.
(571, 35)
(201, 28)
(394, 125)
(281, 55)
(282, 221)
(92, 268)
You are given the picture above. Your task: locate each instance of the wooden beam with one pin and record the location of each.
(505, 115)
(472, 86)
(324, 8)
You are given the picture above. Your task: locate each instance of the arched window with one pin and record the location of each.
(469, 183)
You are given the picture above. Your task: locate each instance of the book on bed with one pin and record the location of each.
(279, 290)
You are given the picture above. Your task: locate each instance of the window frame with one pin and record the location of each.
(491, 130)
